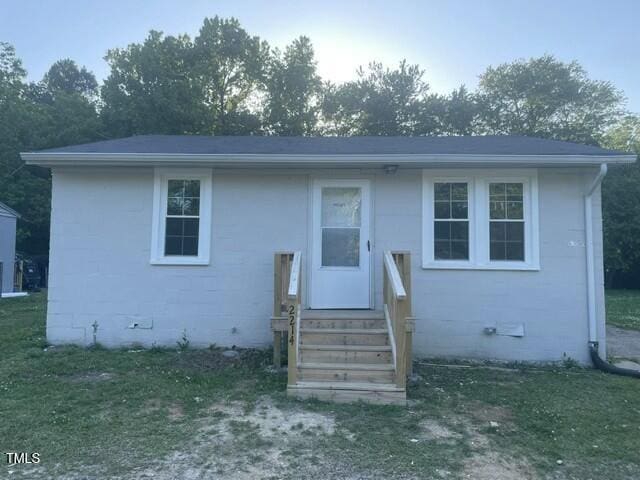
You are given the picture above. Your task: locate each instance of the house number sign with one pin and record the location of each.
(292, 323)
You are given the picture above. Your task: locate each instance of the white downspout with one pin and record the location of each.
(591, 271)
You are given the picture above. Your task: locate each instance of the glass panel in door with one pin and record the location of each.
(340, 225)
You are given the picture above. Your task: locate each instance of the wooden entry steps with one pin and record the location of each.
(346, 356)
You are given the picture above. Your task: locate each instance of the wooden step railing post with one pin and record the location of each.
(292, 342)
(401, 344)
(281, 274)
(403, 260)
(294, 296)
(277, 308)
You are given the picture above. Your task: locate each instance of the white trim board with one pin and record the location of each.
(304, 161)
(14, 294)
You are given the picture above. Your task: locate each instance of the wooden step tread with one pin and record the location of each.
(342, 314)
(346, 366)
(366, 387)
(347, 348)
(346, 331)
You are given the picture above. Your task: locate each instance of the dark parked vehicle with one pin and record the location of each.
(32, 272)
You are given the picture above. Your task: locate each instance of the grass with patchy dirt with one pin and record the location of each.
(165, 414)
(623, 308)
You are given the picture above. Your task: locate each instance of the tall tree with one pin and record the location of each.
(68, 94)
(230, 67)
(380, 102)
(460, 113)
(151, 88)
(65, 76)
(20, 122)
(34, 117)
(293, 88)
(621, 203)
(544, 97)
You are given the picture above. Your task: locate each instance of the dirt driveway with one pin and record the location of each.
(623, 343)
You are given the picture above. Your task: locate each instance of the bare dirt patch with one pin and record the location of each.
(175, 412)
(238, 442)
(494, 466)
(91, 377)
(434, 430)
(490, 413)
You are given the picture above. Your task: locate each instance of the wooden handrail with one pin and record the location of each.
(287, 307)
(394, 276)
(294, 277)
(397, 310)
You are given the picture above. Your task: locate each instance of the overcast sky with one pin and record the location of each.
(454, 41)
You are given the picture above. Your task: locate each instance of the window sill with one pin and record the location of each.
(507, 266)
(180, 261)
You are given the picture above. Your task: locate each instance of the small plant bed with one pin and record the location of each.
(623, 308)
(184, 413)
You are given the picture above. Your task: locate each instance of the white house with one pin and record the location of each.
(480, 246)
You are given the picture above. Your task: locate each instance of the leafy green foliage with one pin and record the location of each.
(380, 102)
(544, 97)
(396, 102)
(621, 203)
(65, 76)
(230, 68)
(150, 89)
(58, 111)
(293, 91)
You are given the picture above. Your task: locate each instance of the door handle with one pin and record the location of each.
(368, 246)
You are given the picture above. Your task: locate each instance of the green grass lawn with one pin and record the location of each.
(623, 308)
(165, 414)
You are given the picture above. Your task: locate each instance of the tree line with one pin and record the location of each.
(225, 81)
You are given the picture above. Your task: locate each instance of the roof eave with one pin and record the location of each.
(7, 211)
(54, 159)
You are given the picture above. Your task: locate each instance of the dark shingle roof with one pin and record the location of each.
(238, 145)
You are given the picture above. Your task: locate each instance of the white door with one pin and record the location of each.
(340, 270)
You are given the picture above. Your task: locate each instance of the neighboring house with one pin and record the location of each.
(8, 219)
(497, 241)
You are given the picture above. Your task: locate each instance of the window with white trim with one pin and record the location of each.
(480, 219)
(181, 217)
(506, 221)
(451, 221)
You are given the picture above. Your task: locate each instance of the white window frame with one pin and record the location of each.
(160, 191)
(428, 257)
(478, 181)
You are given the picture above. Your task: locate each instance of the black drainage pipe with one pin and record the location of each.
(607, 367)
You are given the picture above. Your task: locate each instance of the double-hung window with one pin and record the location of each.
(182, 221)
(480, 219)
(506, 221)
(451, 221)
(181, 217)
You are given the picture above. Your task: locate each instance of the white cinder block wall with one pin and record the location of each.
(100, 272)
